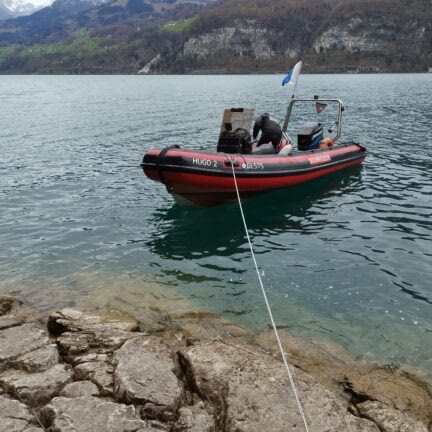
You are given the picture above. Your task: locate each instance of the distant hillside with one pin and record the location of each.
(185, 36)
(346, 35)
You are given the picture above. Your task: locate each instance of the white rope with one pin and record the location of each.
(300, 408)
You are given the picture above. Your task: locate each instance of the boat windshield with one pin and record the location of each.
(237, 118)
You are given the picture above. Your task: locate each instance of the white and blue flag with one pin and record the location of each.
(293, 74)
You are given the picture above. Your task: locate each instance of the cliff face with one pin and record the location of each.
(378, 34)
(341, 37)
(243, 39)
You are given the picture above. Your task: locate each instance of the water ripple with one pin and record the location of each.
(348, 257)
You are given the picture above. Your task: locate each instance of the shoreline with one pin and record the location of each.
(190, 372)
(209, 73)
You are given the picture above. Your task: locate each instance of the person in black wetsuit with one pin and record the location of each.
(270, 131)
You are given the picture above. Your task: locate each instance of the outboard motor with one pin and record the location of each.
(309, 136)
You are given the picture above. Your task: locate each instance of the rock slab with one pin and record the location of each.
(144, 374)
(16, 417)
(37, 388)
(19, 340)
(91, 414)
(249, 391)
(388, 419)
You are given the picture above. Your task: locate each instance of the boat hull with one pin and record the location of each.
(205, 178)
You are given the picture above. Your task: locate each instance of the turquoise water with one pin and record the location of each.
(347, 258)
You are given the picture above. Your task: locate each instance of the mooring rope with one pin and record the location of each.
(291, 379)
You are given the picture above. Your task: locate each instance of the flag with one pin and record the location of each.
(293, 74)
(320, 107)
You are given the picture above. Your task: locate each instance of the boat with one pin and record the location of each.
(207, 177)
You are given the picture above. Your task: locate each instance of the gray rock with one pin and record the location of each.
(95, 367)
(144, 374)
(80, 333)
(91, 357)
(38, 388)
(6, 303)
(16, 417)
(91, 414)
(248, 391)
(388, 419)
(7, 321)
(194, 419)
(39, 360)
(77, 343)
(406, 392)
(80, 388)
(71, 320)
(20, 340)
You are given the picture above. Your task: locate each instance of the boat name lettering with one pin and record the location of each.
(316, 160)
(253, 165)
(204, 162)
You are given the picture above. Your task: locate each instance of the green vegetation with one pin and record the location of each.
(178, 26)
(80, 53)
(6, 51)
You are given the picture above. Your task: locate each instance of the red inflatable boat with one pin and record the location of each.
(205, 177)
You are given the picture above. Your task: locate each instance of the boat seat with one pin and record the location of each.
(286, 150)
(263, 149)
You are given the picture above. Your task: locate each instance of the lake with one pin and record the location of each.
(347, 258)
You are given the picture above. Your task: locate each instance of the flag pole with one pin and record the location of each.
(288, 113)
(292, 75)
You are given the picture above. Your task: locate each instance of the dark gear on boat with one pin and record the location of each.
(270, 131)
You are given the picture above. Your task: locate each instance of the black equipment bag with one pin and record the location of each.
(238, 141)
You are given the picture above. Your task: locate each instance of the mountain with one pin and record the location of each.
(15, 8)
(330, 35)
(5, 13)
(193, 36)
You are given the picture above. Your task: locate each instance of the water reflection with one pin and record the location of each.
(187, 233)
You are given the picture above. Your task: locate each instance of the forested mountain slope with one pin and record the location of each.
(184, 36)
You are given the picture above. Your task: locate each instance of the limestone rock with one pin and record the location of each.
(32, 429)
(333, 367)
(194, 419)
(39, 360)
(388, 419)
(9, 320)
(91, 414)
(38, 388)
(80, 333)
(80, 388)
(72, 321)
(6, 303)
(406, 393)
(75, 343)
(20, 340)
(95, 367)
(16, 417)
(144, 374)
(248, 391)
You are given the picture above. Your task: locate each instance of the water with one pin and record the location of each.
(347, 258)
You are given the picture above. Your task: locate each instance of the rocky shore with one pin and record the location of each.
(82, 372)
